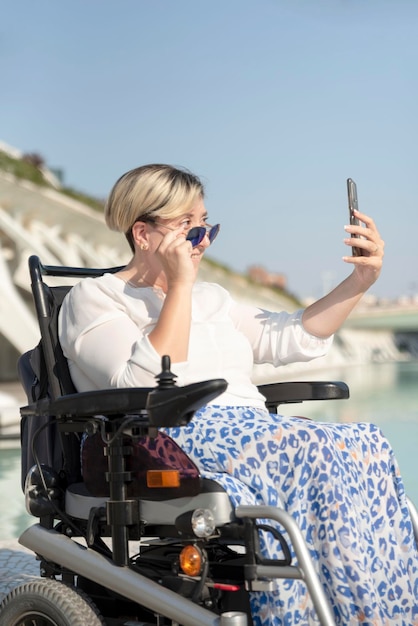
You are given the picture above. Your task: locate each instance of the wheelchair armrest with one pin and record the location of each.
(160, 407)
(88, 403)
(290, 392)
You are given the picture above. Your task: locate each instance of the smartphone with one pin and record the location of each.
(353, 206)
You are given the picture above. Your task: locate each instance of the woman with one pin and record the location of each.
(340, 481)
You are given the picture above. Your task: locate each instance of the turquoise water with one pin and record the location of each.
(13, 516)
(385, 394)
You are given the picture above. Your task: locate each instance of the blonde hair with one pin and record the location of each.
(148, 192)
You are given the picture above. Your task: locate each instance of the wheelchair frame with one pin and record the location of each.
(63, 555)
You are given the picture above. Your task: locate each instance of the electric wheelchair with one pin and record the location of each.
(153, 544)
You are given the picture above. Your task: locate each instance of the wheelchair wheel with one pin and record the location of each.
(46, 602)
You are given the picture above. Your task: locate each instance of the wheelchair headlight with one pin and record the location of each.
(203, 523)
(199, 523)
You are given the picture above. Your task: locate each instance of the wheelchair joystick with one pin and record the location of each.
(169, 405)
(166, 378)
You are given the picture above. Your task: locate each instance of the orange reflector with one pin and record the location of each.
(191, 560)
(163, 478)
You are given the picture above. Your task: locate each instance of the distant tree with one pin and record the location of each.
(35, 159)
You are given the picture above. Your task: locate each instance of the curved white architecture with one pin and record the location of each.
(42, 221)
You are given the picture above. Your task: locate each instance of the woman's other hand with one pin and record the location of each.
(325, 316)
(367, 267)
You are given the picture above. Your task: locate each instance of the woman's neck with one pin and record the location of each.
(136, 276)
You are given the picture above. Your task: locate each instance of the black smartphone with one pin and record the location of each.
(353, 206)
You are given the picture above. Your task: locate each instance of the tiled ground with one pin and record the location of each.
(17, 565)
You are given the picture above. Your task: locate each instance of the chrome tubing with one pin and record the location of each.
(304, 570)
(56, 547)
(413, 512)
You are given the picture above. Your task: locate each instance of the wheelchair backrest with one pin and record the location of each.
(48, 300)
(44, 372)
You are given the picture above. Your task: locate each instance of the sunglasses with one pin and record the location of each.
(195, 234)
(198, 233)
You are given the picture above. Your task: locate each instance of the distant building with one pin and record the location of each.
(261, 276)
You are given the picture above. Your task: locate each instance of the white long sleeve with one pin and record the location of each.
(104, 326)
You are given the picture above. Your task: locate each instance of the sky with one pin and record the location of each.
(273, 103)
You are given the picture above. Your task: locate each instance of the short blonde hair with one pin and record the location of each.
(151, 191)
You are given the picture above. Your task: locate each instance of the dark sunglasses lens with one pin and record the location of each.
(195, 235)
(213, 233)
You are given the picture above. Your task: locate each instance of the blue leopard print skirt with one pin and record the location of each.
(342, 484)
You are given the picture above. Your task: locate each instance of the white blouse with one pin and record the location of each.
(104, 325)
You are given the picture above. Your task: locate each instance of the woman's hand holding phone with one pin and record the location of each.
(367, 254)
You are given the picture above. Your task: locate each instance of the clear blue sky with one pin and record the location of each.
(273, 102)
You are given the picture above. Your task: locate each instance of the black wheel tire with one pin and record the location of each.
(47, 602)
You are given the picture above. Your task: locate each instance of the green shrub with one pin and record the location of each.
(22, 169)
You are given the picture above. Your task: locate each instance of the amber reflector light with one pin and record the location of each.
(163, 478)
(191, 560)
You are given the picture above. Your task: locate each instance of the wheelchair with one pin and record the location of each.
(154, 544)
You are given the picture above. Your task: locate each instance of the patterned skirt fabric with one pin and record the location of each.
(342, 484)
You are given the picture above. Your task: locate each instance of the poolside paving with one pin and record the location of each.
(17, 565)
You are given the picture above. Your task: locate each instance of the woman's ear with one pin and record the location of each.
(140, 235)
